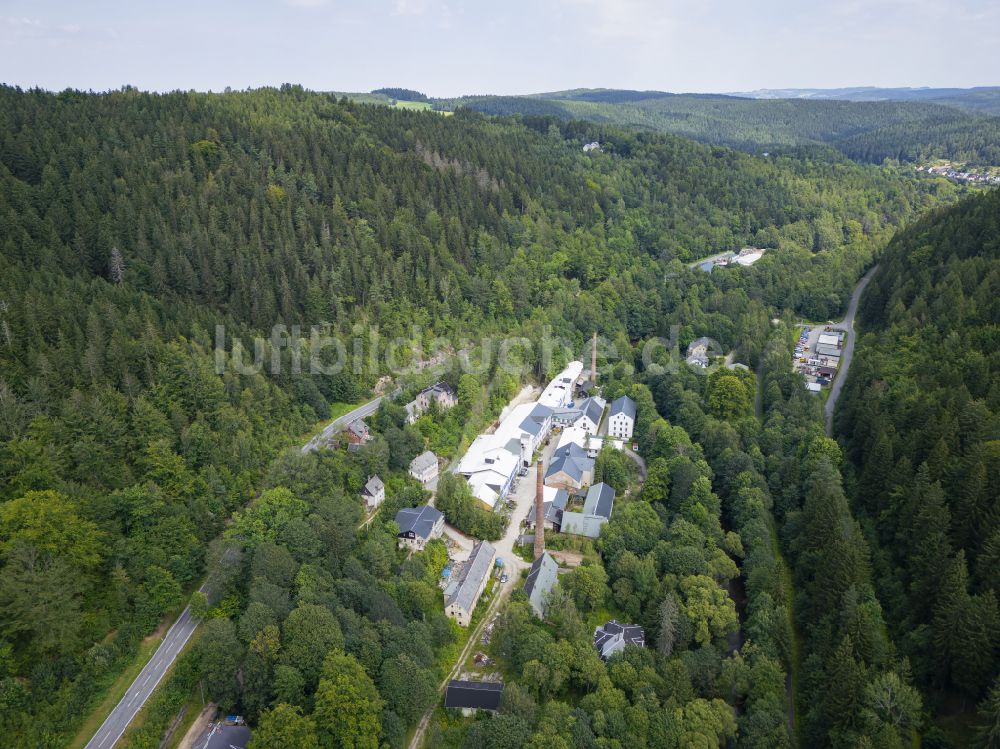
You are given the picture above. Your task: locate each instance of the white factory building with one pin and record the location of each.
(493, 460)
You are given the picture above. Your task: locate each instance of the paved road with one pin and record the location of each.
(113, 728)
(361, 412)
(221, 736)
(847, 324)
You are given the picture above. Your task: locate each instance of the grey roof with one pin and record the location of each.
(358, 427)
(465, 590)
(418, 520)
(480, 695)
(541, 579)
(628, 634)
(593, 409)
(623, 405)
(578, 524)
(703, 341)
(531, 426)
(572, 459)
(440, 387)
(374, 486)
(540, 412)
(423, 461)
(554, 509)
(600, 500)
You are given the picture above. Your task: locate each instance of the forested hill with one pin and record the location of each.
(131, 224)
(921, 421)
(869, 132)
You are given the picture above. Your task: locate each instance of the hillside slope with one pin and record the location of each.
(133, 224)
(921, 424)
(870, 131)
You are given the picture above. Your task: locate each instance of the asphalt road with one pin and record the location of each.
(113, 728)
(847, 324)
(220, 736)
(361, 412)
(177, 636)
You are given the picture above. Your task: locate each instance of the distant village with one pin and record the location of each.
(952, 172)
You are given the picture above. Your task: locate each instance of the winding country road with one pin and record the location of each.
(847, 325)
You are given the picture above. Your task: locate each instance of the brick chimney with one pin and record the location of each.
(539, 512)
(593, 360)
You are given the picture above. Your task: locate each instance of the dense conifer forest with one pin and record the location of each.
(132, 224)
(921, 430)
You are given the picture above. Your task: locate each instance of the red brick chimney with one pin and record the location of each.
(539, 513)
(593, 360)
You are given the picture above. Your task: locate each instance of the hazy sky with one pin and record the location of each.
(448, 47)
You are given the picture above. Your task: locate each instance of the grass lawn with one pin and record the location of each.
(336, 411)
(143, 714)
(117, 690)
(400, 104)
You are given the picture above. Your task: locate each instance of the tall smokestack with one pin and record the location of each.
(539, 512)
(593, 360)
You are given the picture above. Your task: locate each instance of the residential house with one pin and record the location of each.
(621, 418)
(541, 580)
(594, 146)
(440, 393)
(698, 352)
(470, 696)
(418, 525)
(570, 468)
(597, 508)
(358, 434)
(612, 638)
(373, 492)
(424, 467)
(462, 593)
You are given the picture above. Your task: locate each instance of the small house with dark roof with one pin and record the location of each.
(373, 493)
(612, 637)
(358, 434)
(596, 512)
(621, 418)
(462, 593)
(418, 525)
(470, 696)
(541, 580)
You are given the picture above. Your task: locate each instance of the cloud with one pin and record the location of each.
(410, 7)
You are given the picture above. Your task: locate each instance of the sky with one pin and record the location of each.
(450, 48)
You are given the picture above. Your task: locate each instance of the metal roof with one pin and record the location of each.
(479, 695)
(541, 579)
(418, 520)
(600, 500)
(466, 590)
(623, 405)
